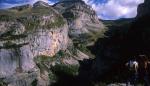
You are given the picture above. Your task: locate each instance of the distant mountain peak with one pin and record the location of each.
(41, 3)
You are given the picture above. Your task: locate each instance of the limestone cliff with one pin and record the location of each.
(35, 45)
(42, 44)
(84, 25)
(25, 33)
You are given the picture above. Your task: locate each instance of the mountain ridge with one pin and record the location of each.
(67, 44)
(35, 45)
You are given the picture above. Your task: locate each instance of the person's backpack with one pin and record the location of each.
(132, 65)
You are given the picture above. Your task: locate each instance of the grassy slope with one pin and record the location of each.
(30, 17)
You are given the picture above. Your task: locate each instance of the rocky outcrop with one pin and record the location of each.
(25, 33)
(84, 25)
(41, 3)
(41, 44)
(35, 46)
(143, 9)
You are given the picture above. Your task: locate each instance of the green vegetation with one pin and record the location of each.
(93, 36)
(66, 69)
(10, 45)
(119, 22)
(34, 83)
(60, 54)
(52, 76)
(30, 23)
(43, 60)
(2, 83)
(101, 33)
(82, 47)
(59, 69)
(42, 11)
(118, 28)
(69, 15)
(90, 38)
(6, 18)
(12, 37)
(58, 22)
(32, 17)
(44, 63)
(11, 34)
(72, 50)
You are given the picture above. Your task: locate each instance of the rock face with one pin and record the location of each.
(42, 44)
(25, 34)
(143, 8)
(84, 25)
(40, 3)
(35, 44)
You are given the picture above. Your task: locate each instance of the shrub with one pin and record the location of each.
(30, 22)
(6, 18)
(34, 83)
(58, 22)
(69, 15)
(62, 69)
(2, 83)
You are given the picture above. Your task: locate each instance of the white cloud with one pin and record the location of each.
(115, 9)
(112, 9)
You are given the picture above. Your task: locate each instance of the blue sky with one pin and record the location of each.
(106, 9)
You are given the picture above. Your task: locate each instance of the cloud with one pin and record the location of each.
(115, 9)
(105, 9)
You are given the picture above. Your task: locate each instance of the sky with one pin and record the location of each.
(105, 9)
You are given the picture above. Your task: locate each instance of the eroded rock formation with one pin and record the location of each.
(35, 44)
(25, 34)
(84, 24)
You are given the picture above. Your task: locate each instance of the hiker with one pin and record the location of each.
(144, 69)
(132, 66)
